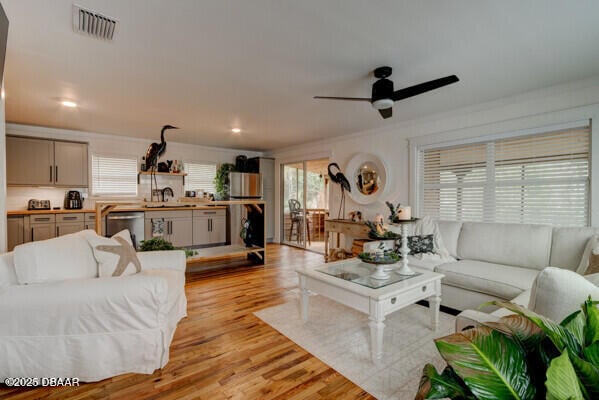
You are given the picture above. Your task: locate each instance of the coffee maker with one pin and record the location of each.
(73, 201)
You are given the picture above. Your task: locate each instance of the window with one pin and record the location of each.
(200, 176)
(114, 176)
(540, 179)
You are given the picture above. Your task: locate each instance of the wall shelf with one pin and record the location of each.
(183, 174)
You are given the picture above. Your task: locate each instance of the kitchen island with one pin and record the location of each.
(201, 225)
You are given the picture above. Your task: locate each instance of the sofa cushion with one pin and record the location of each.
(568, 245)
(556, 293)
(430, 262)
(497, 280)
(521, 245)
(64, 257)
(450, 232)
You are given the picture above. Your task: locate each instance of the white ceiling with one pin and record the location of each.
(208, 66)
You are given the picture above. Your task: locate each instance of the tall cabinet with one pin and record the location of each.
(32, 161)
(266, 166)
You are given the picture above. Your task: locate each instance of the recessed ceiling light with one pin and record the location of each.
(236, 130)
(67, 103)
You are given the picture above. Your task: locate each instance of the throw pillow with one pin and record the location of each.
(61, 258)
(426, 226)
(589, 263)
(421, 244)
(115, 256)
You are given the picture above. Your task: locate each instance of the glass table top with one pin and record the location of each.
(361, 273)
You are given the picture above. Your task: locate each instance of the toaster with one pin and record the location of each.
(35, 204)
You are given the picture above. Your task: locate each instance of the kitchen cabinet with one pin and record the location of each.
(32, 161)
(209, 227)
(70, 164)
(266, 167)
(174, 226)
(42, 227)
(29, 161)
(15, 231)
(89, 221)
(69, 223)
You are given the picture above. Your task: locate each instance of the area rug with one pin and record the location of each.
(340, 337)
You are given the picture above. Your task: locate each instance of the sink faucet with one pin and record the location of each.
(167, 191)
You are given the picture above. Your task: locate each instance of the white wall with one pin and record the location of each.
(3, 202)
(114, 145)
(395, 143)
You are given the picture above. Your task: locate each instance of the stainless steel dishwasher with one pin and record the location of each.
(134, 221)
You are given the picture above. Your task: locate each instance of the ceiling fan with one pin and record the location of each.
(383, 95)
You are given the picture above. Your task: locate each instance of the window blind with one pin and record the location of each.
(200, 176)
(534, 179)
(114, 176)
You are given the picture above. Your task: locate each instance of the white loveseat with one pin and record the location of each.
(501, 261)
(60, 320)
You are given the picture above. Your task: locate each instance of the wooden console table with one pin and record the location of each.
(357, 230)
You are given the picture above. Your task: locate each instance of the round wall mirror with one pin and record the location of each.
(367, 177)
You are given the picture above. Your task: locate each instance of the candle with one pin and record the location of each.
(405, 214)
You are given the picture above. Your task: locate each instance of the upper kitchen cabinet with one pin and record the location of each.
(33, 162)
(70, 164)
(29, 161)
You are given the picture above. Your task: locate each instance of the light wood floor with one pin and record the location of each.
(222, 351)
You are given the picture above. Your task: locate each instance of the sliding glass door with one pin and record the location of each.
(305, 198)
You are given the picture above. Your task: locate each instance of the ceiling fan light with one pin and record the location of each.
(382, 104)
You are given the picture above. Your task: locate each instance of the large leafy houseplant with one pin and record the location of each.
(522, 356)
(221, 180)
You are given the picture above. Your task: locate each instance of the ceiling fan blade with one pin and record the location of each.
(424, 87)
(343, 98)
(386, 112)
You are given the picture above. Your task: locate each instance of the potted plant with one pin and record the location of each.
(159, 243)
(522, 356)
(221, 181)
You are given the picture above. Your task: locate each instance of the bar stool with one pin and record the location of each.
(297, 218)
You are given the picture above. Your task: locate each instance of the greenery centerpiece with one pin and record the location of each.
(387, 257)
(378, 231)
(221, 181)
(159, 243)
(394, 212)
(523, 356)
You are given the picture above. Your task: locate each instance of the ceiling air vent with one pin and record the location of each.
(93, 24)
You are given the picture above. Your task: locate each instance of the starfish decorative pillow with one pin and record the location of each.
(115, 256)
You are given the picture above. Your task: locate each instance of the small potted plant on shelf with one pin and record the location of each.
(158, 243)
(221, 181)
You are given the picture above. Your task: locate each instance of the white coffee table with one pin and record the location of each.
(348, 282)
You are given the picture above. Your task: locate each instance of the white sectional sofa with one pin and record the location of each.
(60, 320)
(501, 261)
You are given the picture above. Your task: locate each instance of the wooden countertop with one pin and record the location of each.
(125, 208)
(61, 211)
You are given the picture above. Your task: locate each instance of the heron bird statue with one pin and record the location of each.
(342, 181)
(157, 149)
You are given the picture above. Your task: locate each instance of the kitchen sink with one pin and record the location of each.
(160, 204)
